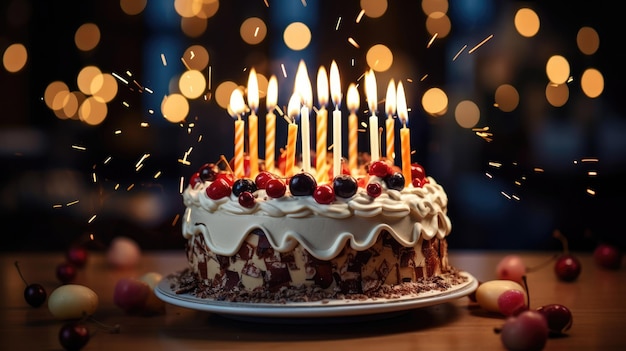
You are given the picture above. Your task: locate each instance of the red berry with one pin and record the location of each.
(511, 267)
(77, 255)
(608, 256)
(207, 172)
(417, 171)
(227, 176)
(512, 302)
(374, 189)
(73, 336)
(559, 317)
(418, 182)
(195, 180)
(262, 178)
(567, 267)
(218, 189)
(275, 188)
(246, 199)
(66, 272)
(379, 168)
(324, 194)
(526, 331)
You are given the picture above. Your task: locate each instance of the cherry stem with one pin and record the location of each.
(543, 264)
(557, 234)
(497, 330)
(227, 165)
(527, 291)
(113, 329)
(20, 272)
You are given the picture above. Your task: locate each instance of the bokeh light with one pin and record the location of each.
(196, 57)
(430, 6)
(87, 37)
(193, 27)
(175, 108)
(89, 80)
(297, 36)
(253, 30)
(588, 40)
(527, 22)
(92, 111)
(557, 94)
(374, 8)
(506, 98)
(435, 102)
(51, 92)
(133, 7)
(592, 82)
(192, 84)
(15, 57)
(467, 114)
(223, 92)
(438, 23)
(557, 69)
(108, 88)
(379, 57)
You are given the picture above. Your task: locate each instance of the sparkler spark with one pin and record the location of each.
(163, 60)
(360, 15)
(432, 39)
(459, 53)
(480, 44)
(353, 42)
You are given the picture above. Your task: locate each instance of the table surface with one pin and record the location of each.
(597, 300)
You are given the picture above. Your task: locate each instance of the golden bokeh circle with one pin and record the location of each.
(506, 98)
(467, 114)
(379, 58)
(557, 69)
(108, 89)
(297, 36)
(435, 101)
(196, 57)
(87, 37)
(133, 7)
(15, 57)
(588, 40)
(253, 30)
(592, 82)
(92, 111)
(192, 84)
(89, 80)
(223, 92)
(557, 94)
(374, 8)
(175, 108)
(438, 23)
(527, 22)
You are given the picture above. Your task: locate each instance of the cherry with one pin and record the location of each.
(302, 184)
(77, 255)
(195, 180)
(526, 331)
(74, 335)
(275, 188)
(394, 181)
(419, 182)
(379, 168)
(244, 184)
(226, 176)
(417, 171)
(512, 302)
(567, 267)
(34, 294)
(324, 194)
(511, 267)
(246, 199)
(207, 172)
(66, 272)
(262, 178)
(345, 186)
(607, 256)
(374, 189)
(558, 317)
(218, 189)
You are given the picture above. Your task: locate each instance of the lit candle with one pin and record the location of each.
(321, 122)
(253, 123)
(390, 107)
(237, 106)
(303, 87)
(353, 126)
(405, 135)
(270, 124)
(292, 134)
(370, 87)
(335, 92)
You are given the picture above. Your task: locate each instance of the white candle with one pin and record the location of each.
(237, 106)
(370, 87)
(321, 123)
(253, 123)
(335, 92)
(303, 87)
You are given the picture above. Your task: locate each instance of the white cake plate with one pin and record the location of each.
(309, 311)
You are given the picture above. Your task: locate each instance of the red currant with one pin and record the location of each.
(418, 182)
(379, 168)
(374, 189)
(218, 189)
(275, 188)
(246, 199)
(417, 171)
(195, 179)
(324, 194)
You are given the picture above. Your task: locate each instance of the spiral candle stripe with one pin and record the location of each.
(390, 138)
(253, 147)
(320, 145)
(292, 136)
(353, 147)
(270, 141)
(239, 132)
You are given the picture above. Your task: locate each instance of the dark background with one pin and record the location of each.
(40, 168)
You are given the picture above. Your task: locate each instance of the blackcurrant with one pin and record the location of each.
(243, 184)
(207, 172)
(34, 294)
(394, 181)
(302, 184)
(73, 336)
(345, 186)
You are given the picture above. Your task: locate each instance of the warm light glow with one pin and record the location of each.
(557, 94)
(89, 80)
(297, 36)
(223, 93)
(193, 27)
(588, 40)
(303, 85)
(557, 69)
(108, 88)
(133, 7)
(92, 111)
(435, 101)
(379, 57)
(390, 98)
(322, 86)
(15, 57)
(237, 105)
(438, 23)
(335, 85)
(371, 91)
(196, 57)
(293, 107)
(253, 91)
(253, 30)
(175, 108)
(192, 84)
(403, 111)
(374, 8)
(506, 98)
(430, 6)
(467, 114)
(87, 37)
(272, 94)
(52, 90)
(592, 82)
(527, 22)
(352, 98)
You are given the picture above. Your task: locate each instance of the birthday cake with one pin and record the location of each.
(275, 238)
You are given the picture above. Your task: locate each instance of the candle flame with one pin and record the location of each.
(293, 108)
(272, 93)
(401, 101)
(237, 105)
(370, 90)
(353, 98)
(390, 99)
(253, 91)
(303, 85)
(322, 86)
(335, 85)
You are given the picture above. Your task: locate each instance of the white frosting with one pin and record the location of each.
(322, 229)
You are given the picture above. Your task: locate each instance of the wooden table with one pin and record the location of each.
(597, 301)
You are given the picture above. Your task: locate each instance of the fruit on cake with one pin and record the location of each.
(275, 238)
